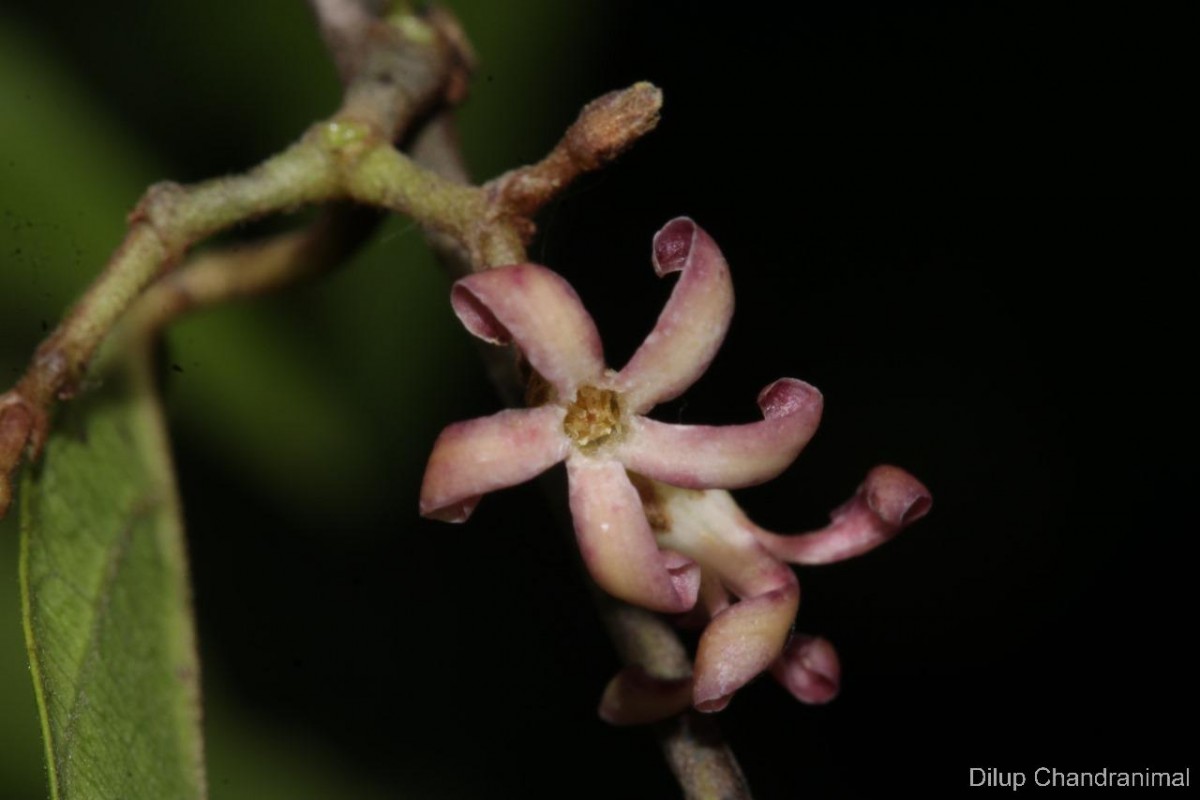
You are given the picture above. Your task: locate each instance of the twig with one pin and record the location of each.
(702, 763)
(408, 62)
(248, 270)
(606, 128)
(343, 25)
(394, 69)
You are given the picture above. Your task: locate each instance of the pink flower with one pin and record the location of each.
(653, 525)
(594, 418)
(736, 557)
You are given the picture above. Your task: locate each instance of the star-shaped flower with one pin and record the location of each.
(595, 419)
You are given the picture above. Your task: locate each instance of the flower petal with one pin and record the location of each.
(728, 456)
(712, 599)
(634, 697)
(692, 324)
(709, 528)
(538, 310)
(889, 500)
(617, 543)
(809, 669)
(474, 457)
(740, 642)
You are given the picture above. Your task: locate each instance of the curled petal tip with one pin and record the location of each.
(887, 501)
(476, 317)
(712, 705)
(617, 544)
(454, 512)
(728, 456)
(788, 396)
(690, 327)
(536, 309)
(809, 669)
(474, 457)
(740, 642)
(634, 697)
(673, 245)
(896, 496)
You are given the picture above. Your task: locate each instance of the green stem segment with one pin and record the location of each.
(406, 64)
(394, 68)
(167, 221)
(701, 761)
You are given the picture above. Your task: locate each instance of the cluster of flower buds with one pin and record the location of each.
(654, 524)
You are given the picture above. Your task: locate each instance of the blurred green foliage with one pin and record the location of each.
(307, 399)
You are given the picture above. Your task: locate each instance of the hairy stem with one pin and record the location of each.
(247, 270)
(407, 62)
(702, 763)
(396, 68)
(164, 225)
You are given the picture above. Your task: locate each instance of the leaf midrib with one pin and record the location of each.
(119, 550)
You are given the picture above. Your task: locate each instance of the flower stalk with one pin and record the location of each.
(655, 526)
(407, 62)
(405, 66)
(416, 68)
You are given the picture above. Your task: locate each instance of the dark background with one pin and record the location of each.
(944, 215)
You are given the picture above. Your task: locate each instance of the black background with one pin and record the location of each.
(951, 218)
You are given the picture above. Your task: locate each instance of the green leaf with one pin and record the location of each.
(107, 608)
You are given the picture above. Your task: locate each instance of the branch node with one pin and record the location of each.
(346, 139)
(53, 369)
(157, 211)
(394, 72)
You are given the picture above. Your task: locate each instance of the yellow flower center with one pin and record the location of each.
(593, 417)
